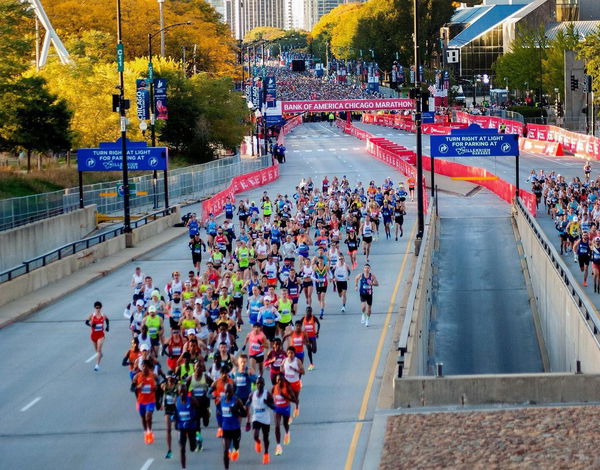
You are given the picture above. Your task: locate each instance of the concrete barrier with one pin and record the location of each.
(413, 344)
(57, 270)
(31, 240)
(569, 321)
(464, 390)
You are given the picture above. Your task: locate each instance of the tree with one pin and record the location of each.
(38, 120)
(16, 40)
(589, 51)
(215, 47)
(268, 33)
(523, 64)
(554, 63)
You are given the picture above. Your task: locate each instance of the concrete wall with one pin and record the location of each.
(565, 312)
(60, 269)
(31, 240)
(417, 353)
(463, 390)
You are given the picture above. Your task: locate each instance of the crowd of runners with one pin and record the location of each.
(292, 86)
(231, 339)
(574, 206)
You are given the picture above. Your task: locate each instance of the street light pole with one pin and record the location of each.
(123, 121)
(162, 27)
(153, 105)
(420, 204)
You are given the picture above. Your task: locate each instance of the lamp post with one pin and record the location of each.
(162, 27)
(506, 83)
(123, 122)
(152, 105)
(417, 94)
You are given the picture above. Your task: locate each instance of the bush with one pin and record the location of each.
(528, 111)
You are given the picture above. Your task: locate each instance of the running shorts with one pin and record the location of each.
(146, 408)
(368, 298)
(584, 260)
(367, 239)
(283, 410)
(341, 285)
(232, 434)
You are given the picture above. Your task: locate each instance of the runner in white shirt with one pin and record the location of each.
(293, 371)
(137, 281)
(341, 275)
(259, 401)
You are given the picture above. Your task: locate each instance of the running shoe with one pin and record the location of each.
(296, 411)
(146, 438)
(266, 459)
(362, 319)
(199, 444)
(235, 455)
(220, 432)
(367, 321)
(257, 447)
(278, 450)
(321, 316)
(311, 367)
(151, 437)
(343, 308)
(169, 455)
(287, 438)
(96, 367)
(584, 284)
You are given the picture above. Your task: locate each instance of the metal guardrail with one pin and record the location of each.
(74, 247)
(185, 184)
(586, 306)
(412, 295)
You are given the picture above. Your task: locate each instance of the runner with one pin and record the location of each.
(96, 322)
(258, 402)
(283, 395)
(320, 273)
(412, 182)
(293, 371)
(197, 385)
(341, 274)
(352, 242)
(197, 246)
(399, 213)
(595, 256)
(275, 360)
(311, 327)
(170, 398)
(185, 422)
(367, 280)
(232, 409)
(257, 340)
(144, 385)
(582, 250)
(366, 229)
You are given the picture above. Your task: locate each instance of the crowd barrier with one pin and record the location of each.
(490, 122)
(238, 184)
(405, 123)
(551, 149)
(580, 144)
(389, 155)
(287, 127)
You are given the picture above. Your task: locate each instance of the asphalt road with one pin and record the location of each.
(58, 413)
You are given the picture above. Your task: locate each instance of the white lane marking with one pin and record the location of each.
(91, 358)
(296, 151)
(320, 150)
(329, 130)
(307, 151)
(147, 464)
(355, 148)
(331, 150)
(31, 403)
(548, 159)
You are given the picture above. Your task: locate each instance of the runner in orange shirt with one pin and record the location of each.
(144, 385)
(311, 327)
(412, 181)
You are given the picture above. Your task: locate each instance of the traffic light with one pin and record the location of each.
(559, 109)
(574, 83)
(587, 83)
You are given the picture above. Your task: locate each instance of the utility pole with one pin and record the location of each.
(162, 27)
(123, 120)
(418, 117)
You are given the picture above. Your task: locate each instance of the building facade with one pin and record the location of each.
(249, 14)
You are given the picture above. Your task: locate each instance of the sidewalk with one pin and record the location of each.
(19, 309)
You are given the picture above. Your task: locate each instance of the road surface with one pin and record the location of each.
(58, 413)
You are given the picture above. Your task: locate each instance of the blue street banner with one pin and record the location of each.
(271, 91)
(108, 157)
(160, 98)
(142, 96)
(475, 141)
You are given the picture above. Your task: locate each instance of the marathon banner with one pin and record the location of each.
(346, 105)
(142, 96)
(574, 142)
(160, 98)
(271, 91)
(551, 149)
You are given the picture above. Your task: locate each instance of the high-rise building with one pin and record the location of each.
(294, 14)
(249, 14)
(315, 9)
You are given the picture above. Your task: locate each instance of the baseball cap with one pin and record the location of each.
(190, 331)
(575, 219)
(144, 347)
(156, 293)
(152, 308)
(140, 302)
(198, 301)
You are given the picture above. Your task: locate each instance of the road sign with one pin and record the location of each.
(108, 157)
(452, 56)
(120, 58)
(474, 142)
